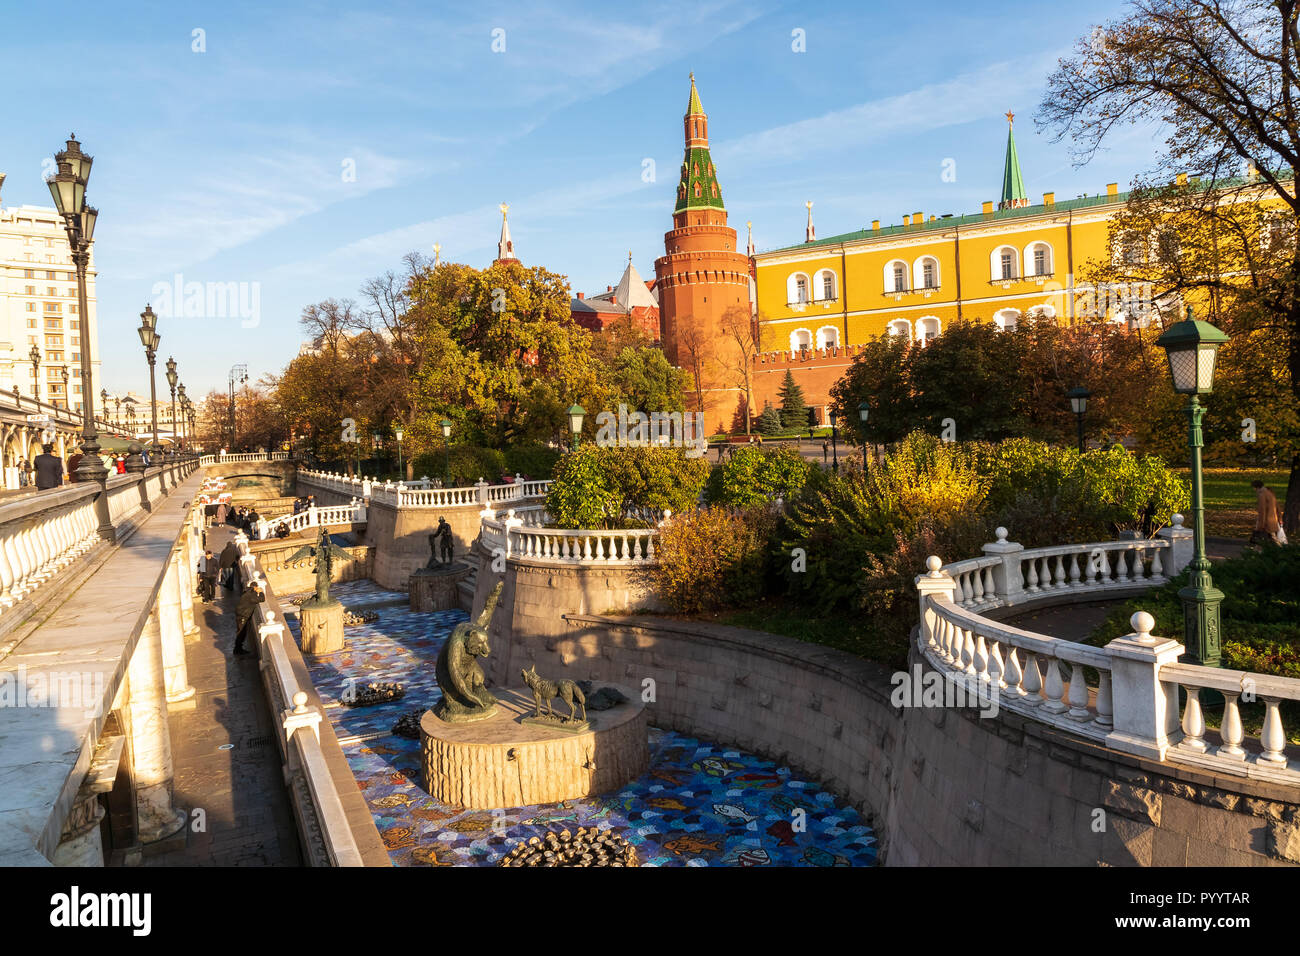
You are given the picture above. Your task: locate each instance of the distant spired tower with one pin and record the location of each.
(506, 247)
(702, 273)
(1013, 181)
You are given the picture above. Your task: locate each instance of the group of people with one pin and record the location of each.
(47, 470)
(223, 569)
(245, 519)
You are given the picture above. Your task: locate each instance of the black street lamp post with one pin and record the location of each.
(1191, 347)
(35, 356)
(185, 405)
(171, 382)
(238, 373)
(1079, 404)
(398, 433)
(67, 398)
(68, 187)
(149, 339)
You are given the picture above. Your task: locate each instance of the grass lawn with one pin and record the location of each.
(1230, 501)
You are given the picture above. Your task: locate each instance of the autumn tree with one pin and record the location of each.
(1220, 82)
(740, 336)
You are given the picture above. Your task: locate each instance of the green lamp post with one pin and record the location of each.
(446, 445)
(1079, 405)
(1192, 347)
(576, 413)
(864, 411)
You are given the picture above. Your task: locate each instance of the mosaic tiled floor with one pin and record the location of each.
(701, 804)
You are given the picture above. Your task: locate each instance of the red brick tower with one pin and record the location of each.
(702, 273)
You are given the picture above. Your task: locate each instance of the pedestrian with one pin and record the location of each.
(246, 615)
(221, 513)
(49, 469)
(826, 451)
(226, 564)
(73, 462)
(120, 464)
(24, 474)
(208, 576)
(1266, 517)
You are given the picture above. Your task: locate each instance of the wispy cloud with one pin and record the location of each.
(964, 98)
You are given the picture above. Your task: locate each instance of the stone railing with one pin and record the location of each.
(528, 541)
(1134, 706)
(244, 456)
(300, 723)
(44, 532)
(422, 493)
(315, 516)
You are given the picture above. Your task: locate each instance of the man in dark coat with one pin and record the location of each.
(246, 616)
(226, 564)
(49, 469)
(208, 575)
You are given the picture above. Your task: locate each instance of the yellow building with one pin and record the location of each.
(916, 278)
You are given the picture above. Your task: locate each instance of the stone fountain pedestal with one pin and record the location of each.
(502, 762)
(321, 625)
(438, 588)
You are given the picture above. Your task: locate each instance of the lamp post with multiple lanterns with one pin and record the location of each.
(149, 339)
(35, 356)
(1192, 347)
(398, 433)
(171, 383)
(835, 458)
(68, 187)
(185, 405)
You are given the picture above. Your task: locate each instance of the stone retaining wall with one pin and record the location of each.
(941, 786)
(295, 578)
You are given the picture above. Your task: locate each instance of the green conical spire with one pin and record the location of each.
(698, 186)
(1013, 181)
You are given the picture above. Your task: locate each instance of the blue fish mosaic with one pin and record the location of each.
(700, 804)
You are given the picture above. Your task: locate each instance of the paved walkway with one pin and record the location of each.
(241, 790)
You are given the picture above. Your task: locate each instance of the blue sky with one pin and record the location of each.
(228, 165)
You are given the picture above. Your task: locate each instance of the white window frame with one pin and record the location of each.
(922, 327)
(918, 273)
(891, 285)
(995, 264)
(822, 338)
(794, 340)
(792, 288)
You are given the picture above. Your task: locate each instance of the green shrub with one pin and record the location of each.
(712, 558)
(536, 462)
(754, 475)
(594, 487)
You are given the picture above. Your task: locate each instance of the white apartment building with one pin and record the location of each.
(38, 306)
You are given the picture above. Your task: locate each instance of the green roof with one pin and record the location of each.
(1013, 181)
(694, 106)
(947, 222)
(698, 167)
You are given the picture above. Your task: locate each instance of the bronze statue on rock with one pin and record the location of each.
(465, 696)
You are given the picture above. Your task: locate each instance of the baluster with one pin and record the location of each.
(1121, 566)
(649, 547)
(1053, 688)
(967, 651)
(1103, 566)
(1074, 569)
(1230, 729)
(990, 585)
(1078, 693)
(7, 598)
(1157, 569)
(1105, 700)
(1272, 738)
(980, 661)
(1193, 722)
(977, 586)
(940, 639)
(1059, 576)
(1014, 674)
(996, 669)
(1031, 575)
(24, 556)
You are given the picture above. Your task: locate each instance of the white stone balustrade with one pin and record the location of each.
(1134, 704)
(303, 749)
(314, 517)
(421, 494)
(595, 548)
